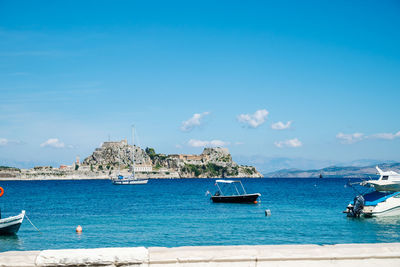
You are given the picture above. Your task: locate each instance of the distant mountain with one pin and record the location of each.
(270, 164)
(282, 165)
(335, 172)
(364, 162)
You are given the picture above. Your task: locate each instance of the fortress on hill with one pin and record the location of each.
(112, 158)
(211, 163)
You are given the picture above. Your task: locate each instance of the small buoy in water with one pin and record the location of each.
(255, 202)
(79, 229)
(267, 212)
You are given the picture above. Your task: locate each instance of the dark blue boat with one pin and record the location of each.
(228, 192)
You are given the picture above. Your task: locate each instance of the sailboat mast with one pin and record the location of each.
(119, 160)
(133, 151)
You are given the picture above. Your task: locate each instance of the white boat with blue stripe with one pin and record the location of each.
(10, 225)
(383, 201)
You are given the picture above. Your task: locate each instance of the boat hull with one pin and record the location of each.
(129, 182)
(390, 212)
(384, 207)
(10, 225)
(385, 186)
(390, 207)
(248, 198)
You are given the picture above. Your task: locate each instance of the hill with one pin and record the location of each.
(335, 172)
(211, 163)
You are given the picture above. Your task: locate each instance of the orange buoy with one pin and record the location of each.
(1, 191)
(255, 202)
(79, 229)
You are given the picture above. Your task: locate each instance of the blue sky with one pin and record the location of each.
(73, 73)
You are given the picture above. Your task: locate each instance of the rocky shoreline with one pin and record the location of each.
(114, 158)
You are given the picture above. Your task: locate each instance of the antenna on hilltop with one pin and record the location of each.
(133, 150)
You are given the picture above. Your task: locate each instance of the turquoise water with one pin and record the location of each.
(177, 213)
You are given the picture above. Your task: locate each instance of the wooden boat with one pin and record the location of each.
(228, 192)
(10, 225)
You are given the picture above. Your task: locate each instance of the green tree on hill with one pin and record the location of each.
(151, 152)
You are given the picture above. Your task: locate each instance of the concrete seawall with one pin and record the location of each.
(383, 254)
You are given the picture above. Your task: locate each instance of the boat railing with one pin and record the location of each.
(230, 188)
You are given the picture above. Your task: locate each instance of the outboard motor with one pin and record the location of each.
(358, 206)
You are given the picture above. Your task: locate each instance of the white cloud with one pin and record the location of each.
(3, 142)
(194, 121)
(386, 136)
(281, 126)
(356, 137)
(350, 138)
(254, 120)
(6, 142)
(212, 143)
(289, 143)
(53, 142)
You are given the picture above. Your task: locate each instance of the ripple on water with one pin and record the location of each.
(177, 213)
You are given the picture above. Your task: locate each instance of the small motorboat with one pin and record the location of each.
(10, 225)
(388, 181)
(383, 201)
(374, 204)
(228, 192)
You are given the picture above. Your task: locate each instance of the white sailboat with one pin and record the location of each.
(131, 179)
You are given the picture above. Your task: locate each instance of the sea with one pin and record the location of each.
(177, 212)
